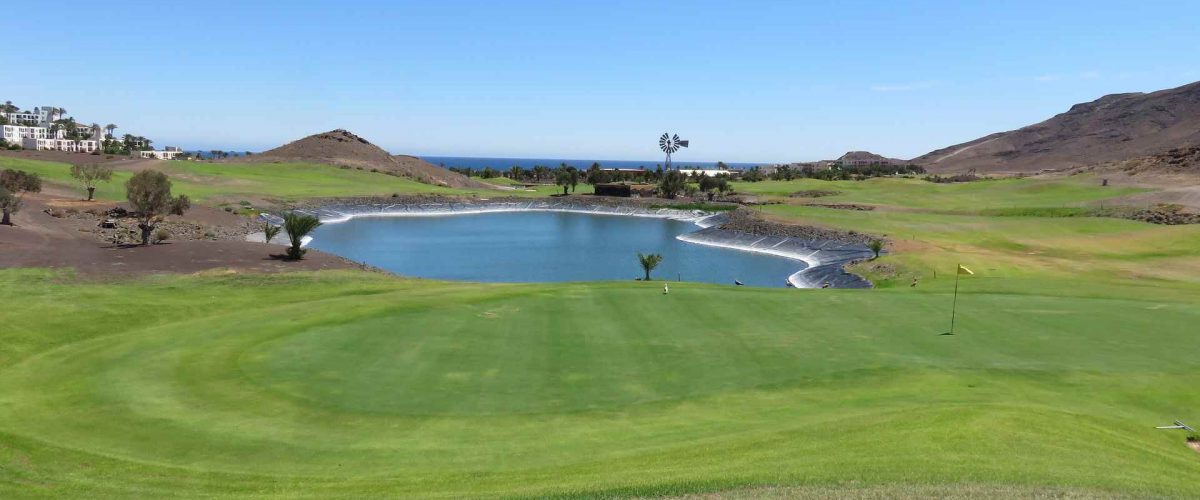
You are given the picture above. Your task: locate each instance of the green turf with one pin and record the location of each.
(204, 181)
(1076, 337)
(223, 182)
(956, 197)
(355, 384)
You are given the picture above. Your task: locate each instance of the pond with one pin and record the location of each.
(535, 246)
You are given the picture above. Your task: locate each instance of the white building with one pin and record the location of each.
(41, 116)
(16, 134)
(54, 144)
(166, 154)
(85, 132)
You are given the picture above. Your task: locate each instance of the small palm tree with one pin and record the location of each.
(110, 128)
(270, 231)
(875, 246)
(649, 262)
(297, 227)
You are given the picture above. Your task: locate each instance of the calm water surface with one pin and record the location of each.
(541, 247)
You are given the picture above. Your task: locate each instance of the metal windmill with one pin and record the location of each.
(670, 143)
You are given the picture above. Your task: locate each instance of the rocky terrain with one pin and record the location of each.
(344, 148)
(1113, 128)
(1175, 161)
(123, 229)
(748, 221)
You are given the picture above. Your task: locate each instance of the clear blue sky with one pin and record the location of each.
(745, 81)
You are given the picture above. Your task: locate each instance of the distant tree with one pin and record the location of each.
(753, 175)
(723, 185)
(574, 173)
(89, 175)
(710, 184)
(539, 171)
(515, 173)
(270, 231)
(297, 227)
(596, 175)
(13, 185)
(563, 178)
(673, 182)
(110, 128)
(149, 194)
(649, 262)
(876, 246)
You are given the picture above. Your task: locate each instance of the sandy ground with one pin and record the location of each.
(39, 240)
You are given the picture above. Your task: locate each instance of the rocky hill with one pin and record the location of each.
(1113, 128)
(341, 147)
(868, 158)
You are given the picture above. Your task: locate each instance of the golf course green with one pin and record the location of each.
(1074, 339)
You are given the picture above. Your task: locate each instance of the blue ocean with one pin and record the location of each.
(476, 163)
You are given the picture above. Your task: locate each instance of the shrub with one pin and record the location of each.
(875, 246)
(149, 194)
(161, 235)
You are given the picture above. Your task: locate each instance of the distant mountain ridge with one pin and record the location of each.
(1115, 127)
(342, 147)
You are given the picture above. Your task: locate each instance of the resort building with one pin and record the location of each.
(56, 144)
(696, 172)
(166, 154)
(16, 134)
(40, 116)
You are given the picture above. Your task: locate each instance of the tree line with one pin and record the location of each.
(833, 173)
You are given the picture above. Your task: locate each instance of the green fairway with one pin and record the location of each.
(217, 182)
(204, 181)
(1076, 336)
(968, 197)
(355, 384)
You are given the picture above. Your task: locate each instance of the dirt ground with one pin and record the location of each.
(40, 240)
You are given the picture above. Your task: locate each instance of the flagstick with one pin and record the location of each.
(954, 306)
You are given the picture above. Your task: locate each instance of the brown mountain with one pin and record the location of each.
(343, 148)
(868, 158)
(1112, 128)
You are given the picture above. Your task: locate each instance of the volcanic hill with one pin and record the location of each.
(1113, 128)
(344, 148)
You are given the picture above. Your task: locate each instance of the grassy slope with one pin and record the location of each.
(203, 180)
(1077, 336)
(212, 182)
(963, 197)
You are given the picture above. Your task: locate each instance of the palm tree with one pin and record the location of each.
(649, 262)
(297, 227)
(514, 173)
(110, 128)
(270, 231)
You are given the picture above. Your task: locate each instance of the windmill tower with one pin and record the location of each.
(670, 143)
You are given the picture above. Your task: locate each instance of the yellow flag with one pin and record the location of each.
(963, 270)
